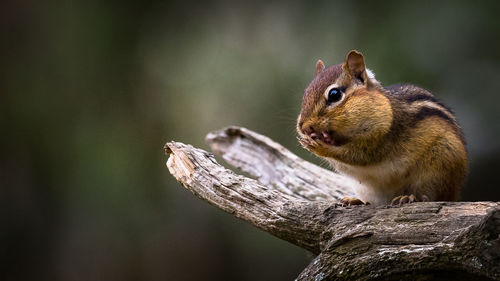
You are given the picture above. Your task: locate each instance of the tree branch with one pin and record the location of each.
(278, 213)
(419, 241)
(272, 164)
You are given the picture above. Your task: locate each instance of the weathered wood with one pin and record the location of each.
(418, 241)
(456, 240)
(243, 197)
(273, 164)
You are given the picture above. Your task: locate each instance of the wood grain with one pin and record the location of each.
(297, 201)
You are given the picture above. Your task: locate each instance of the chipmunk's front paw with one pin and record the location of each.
(403, 199)
(349, 201)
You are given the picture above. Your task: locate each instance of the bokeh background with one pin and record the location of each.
(91, 90)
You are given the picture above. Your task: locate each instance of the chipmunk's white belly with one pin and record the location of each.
(379, 183)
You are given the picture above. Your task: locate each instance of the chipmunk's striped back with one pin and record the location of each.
(422, 104)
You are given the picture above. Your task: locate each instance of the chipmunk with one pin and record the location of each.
(399, 142)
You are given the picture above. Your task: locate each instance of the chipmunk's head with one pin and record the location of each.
(343, 106)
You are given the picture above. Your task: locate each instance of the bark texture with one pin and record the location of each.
(297, 201)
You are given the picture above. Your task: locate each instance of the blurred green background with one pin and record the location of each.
(91, 90)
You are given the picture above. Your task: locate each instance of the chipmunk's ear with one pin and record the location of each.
(355, 65)
(319, 66)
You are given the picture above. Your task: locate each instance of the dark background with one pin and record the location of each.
(91, 90)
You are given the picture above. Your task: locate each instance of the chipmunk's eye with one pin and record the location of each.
(334, 95)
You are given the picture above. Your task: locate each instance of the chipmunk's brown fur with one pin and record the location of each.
(399, 142)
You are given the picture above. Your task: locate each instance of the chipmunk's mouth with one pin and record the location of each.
(324, 138)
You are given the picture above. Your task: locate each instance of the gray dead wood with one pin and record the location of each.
(272, 164)
(296, 201)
